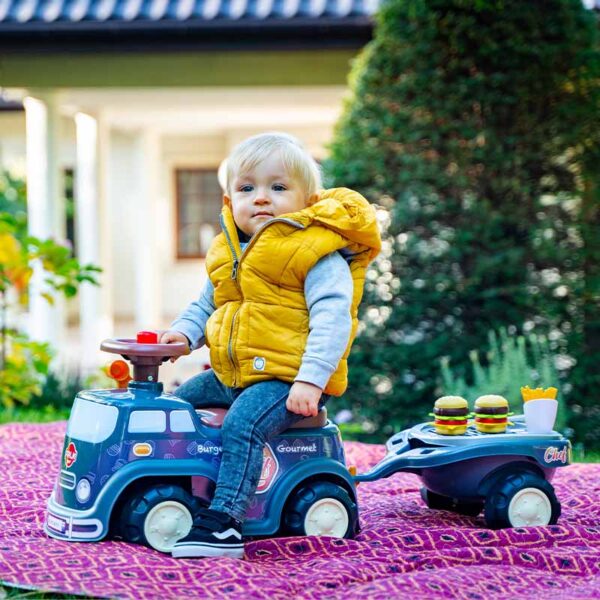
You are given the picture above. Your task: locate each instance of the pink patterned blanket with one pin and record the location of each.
(404, 548)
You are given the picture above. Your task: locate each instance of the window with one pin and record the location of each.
(181, 421)
(91, 421)
(199, 200)
(147, 421)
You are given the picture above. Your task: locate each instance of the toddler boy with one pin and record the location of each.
(278, 313)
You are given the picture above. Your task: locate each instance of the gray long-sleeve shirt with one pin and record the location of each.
(328, 289)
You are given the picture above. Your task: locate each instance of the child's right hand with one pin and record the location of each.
(173, 337)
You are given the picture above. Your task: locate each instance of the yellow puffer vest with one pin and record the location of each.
(260, 326)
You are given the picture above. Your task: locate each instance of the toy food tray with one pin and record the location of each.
(426, 433)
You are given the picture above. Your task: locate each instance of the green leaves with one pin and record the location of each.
(17, 252)
(24, 370)
(23, 363)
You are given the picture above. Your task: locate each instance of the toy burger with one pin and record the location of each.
(491, 414)
(451, 413)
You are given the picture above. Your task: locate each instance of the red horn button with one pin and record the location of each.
(147, 337)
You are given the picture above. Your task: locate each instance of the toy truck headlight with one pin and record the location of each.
(83, 489)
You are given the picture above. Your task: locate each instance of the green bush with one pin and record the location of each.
(59, 389)
(475, 124)
(24, 370)
(23, 362)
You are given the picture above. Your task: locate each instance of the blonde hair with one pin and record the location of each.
(251, 152)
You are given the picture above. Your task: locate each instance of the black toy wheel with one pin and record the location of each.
(321, 508)
(470, 508)
(158, 516)
(521, 500)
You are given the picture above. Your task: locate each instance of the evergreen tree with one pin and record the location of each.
(468, 121)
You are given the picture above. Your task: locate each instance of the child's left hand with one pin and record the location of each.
(303, 399)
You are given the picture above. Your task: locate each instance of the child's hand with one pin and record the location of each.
(172, 337)
(303, 399)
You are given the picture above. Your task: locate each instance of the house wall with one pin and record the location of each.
(121, 213)
(180, 280)
(176, 69)
(12, 142)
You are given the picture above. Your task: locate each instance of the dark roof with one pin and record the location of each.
(88, 24)
(30, 25)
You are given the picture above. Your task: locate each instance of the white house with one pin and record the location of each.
(142, 101)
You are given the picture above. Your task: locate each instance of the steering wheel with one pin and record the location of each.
(145, 355)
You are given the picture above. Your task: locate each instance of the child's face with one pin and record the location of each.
(266, 192)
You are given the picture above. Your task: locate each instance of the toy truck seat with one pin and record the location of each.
(213, 417)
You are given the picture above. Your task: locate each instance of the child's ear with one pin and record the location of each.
(313, 198)
(226, 200)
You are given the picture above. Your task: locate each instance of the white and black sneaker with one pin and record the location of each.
(213, 533)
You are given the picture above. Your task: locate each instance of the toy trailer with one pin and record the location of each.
(505, 474)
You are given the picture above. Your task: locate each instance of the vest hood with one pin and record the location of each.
(349, 214)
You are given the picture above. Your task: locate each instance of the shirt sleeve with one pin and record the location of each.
(328, 289)
(192, 321)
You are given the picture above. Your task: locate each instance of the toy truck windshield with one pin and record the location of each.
(91, 421)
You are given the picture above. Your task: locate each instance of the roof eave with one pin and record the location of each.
(251, 34)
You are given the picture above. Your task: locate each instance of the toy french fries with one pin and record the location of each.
(538, 393)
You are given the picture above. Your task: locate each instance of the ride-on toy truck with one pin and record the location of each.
(137, 462)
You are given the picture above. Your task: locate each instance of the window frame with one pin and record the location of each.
(178, 203)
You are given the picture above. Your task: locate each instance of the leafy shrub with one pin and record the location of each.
(24, 363)
(60, 388)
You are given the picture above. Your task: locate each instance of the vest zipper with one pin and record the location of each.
(231, 247)
(262, 228)
(237, 260)
(234, 274)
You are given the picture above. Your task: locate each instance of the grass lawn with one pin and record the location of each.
(33, 415)
(49, 413)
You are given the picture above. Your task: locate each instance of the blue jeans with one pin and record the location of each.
(256, 414)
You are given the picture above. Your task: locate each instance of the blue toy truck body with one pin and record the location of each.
(123, 440)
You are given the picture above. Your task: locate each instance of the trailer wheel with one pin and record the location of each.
(521, 500)
(321, 508)
(158, 516)
(469, 508)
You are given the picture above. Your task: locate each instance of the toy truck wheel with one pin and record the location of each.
(521, 500)
(158, 516)
(439, 502)
(321, 508)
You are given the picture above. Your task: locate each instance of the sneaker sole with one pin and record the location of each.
(206, 550)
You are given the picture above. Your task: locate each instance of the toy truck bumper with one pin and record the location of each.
(73, 525)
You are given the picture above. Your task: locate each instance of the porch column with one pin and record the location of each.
(45, 209)
(147, 259)
(93, 241)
